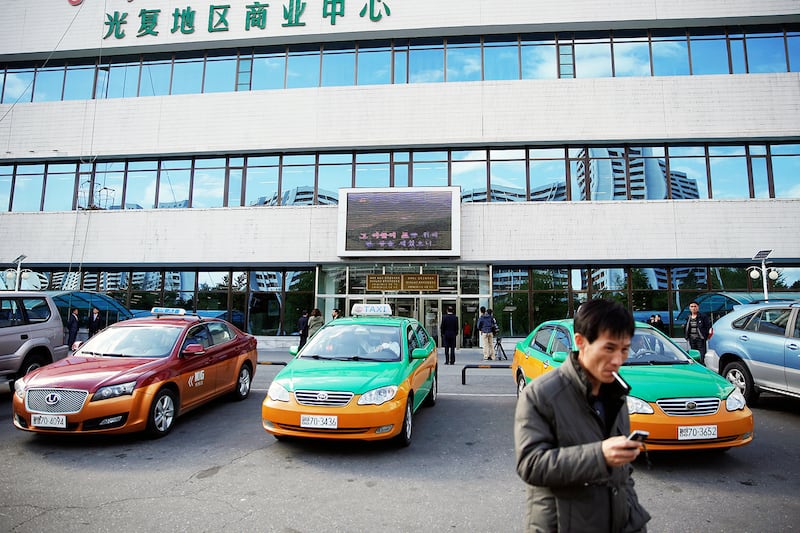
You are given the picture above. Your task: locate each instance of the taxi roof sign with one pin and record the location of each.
(371, 310)
(158, 311)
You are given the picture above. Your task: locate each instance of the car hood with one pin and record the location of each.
(652, 383)
(89, 373)
(357, 377)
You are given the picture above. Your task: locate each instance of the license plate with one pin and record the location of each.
(49, 421)
(319, 422)
(697, 432)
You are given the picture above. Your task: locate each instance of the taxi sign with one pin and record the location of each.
(371, 310)
(167, 311)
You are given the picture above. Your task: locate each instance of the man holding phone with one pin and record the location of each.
(571, 433)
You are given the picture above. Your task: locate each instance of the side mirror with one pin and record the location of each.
(560, 357)
(695, 354)
(420, 353)
(293, 350)
(193, 349)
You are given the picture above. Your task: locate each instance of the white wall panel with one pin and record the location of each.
(546, 233)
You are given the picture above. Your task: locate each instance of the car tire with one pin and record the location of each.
(243, 383)
(163, 411)
(739, 376)
(433, 394)
(407, 430)
(520, 383)
(31, 363)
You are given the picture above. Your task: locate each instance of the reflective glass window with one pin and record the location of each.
(333, 279)
(208, 185)
(173, 184)
(335, 172)
(155, 78)
(786, 170)
(18, 86)
(79, 84)
(670, 55)
(501, 58)
(592, 57)
(179, 289)
(220, 74)
(475, 279)
(140, 190)
(539, 57)
(235, 176)
(187, 77)
(297, 180)
(338, 65)
(728, 172)
(507, 175)
(631, 55)
(463, 58)
(760, 176)
(548, 175)
(28, 188)
(372, 170)
(430, 169)
(49, 84)
(766, 52)
(269, 70)
(374, 65)
(118, 80)
(400, 64)
(426, 61)
(793, 45)
(688, 176)
(579, 178)
(709, 52)
(736, 43)
(6, 174)
(108, 184)
(468, 170)
(302, 68)
(261, 184)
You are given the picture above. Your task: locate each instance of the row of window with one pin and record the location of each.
(672, 52)
(270, 302)
(572, 173)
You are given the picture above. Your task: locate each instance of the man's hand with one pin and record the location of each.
(619, 450)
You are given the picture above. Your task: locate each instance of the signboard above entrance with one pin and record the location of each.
(402, 282)
(400, 222)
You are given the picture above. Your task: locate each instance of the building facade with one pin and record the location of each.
(194, 155)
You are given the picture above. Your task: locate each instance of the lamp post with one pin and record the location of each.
(763, 271)
(19, 273)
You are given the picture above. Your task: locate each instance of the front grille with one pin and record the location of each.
(321, 398)
(55, 401)
(689, 406)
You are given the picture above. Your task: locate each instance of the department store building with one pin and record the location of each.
(525, 155)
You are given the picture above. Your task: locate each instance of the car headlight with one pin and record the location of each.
(278, 392)
(735, 401)
(637, 406)
(113, 391)
(19, 388)
(378, 396)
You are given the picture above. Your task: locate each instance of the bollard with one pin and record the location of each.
(464, 370)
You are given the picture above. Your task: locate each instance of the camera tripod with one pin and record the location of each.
(498, 349)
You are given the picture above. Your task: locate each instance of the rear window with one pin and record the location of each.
(36, 309)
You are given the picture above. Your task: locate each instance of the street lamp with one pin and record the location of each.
(763, 271)
(19, 274)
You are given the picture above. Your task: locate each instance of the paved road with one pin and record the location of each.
(219, 470)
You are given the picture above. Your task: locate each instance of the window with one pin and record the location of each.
(542, 339)
(562, 341)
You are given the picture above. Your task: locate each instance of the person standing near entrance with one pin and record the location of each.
(449, 331)
(697, 330)
(486, 325)
(96, 322)
(302, 328)
(315, 321)
(72, 328)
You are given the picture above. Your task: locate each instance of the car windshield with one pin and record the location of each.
(132, 341)
(356, 342)
(651, 348)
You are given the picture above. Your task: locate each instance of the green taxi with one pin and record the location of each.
(361, 377)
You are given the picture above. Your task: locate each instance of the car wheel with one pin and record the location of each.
(520, 383)
(243, 383)
(162, 414)
(737, 373)
(433, 394)
(404, 438)
(31, 363)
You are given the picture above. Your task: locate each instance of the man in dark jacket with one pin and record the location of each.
(697, 329)
(302, 327)
(96, 322)
(449, 330)
(570, 433)
(72, 327)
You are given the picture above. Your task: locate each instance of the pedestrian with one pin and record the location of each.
(697, 330)
(478, 331)
(335, 314)
(570, 433)
(96, 322)
(302, 328)
(449, 331)
(466, 340)
(315, 321)
(72, 327)
(487, 327)
(660, 324)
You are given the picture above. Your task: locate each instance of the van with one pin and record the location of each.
(31, 333)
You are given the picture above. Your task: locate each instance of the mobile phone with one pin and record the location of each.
(622, 383)
(638, 435)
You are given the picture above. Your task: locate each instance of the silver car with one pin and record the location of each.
(31, 333)
(757, 348)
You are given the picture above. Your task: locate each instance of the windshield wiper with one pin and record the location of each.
(315, 356)
(654, 363)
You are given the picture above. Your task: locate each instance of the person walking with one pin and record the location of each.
(486, 327)
(697, 330)
(72, 327)
(96, 322)
(302, 327)
(315, 321)
(659, 324)
(570, 433)
(449, 331)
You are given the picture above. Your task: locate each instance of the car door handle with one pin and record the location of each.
(23, 337)
(744, 338)
(792, 346)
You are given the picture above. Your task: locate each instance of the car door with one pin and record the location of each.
(421, 370)
(223, 356)
(764, 339)
(792, 354)
(13, 333)
(537, 360)
(197, 379)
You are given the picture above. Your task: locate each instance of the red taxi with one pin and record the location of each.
(137, 375)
